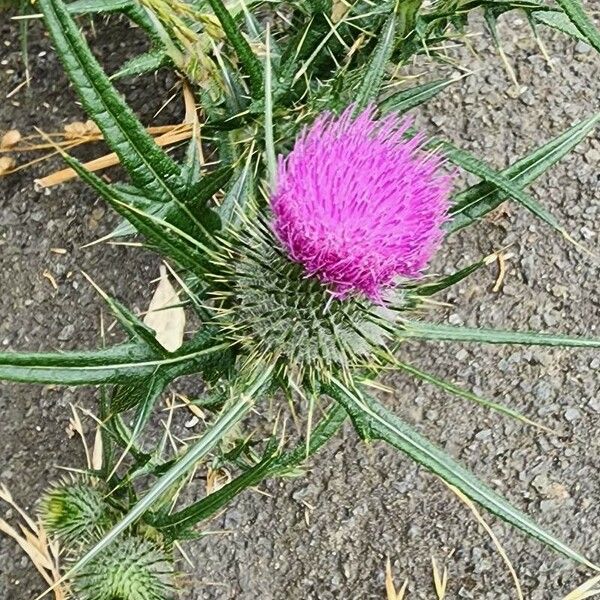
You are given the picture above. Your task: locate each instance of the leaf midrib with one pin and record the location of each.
(584, 125)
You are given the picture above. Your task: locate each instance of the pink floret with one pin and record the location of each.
(358, 205)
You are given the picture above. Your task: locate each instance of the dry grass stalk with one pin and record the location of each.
(191, 118)
(82, 133)
(440, 582)
(585, 590)
(43, 553)
(179, 133)
(390, 587)
(75, 134)
(495, 540)
(76, 425)
(501, 272)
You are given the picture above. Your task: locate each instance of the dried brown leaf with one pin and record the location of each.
(97, 450)
(164, 316)
(75, 130)
(10, 138)
(7, 163)
(339, 10)
(91, 128)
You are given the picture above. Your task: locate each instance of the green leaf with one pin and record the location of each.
(172, 241)
(236, 198)
(175, 525)
(229, 417)
(135, 328)
(470, 163)
(304, 48)
(85, 7)
(120, 364)
(407, 16)
(499, 6)
(248, 60)
(149, 167)
(125, 397)
(429, 289)
(559, 21)
(430, 331)
(405, 100)
(374, 421)
(575, 11)
(375, 69)
(327, 427)
(119, 432)
(191, 171)
(155, 386)
(199, 191)
(144, 63)
(480, 199)
(273, 463)
(271, 159)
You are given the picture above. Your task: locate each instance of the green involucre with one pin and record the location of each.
(269, 306)
(133, 569)
(75, 511)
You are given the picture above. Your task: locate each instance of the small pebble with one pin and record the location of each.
(594, 404)
(462, 354)
(572, 415)
(582, 48)
(66, 333)
(192, 422)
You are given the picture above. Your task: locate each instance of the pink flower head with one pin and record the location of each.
(357, 204)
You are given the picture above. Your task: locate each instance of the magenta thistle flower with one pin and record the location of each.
(358, 205)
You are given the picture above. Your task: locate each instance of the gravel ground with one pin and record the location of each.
(327, 535)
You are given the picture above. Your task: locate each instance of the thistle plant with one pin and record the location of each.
(303, 251)
(76, 513)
